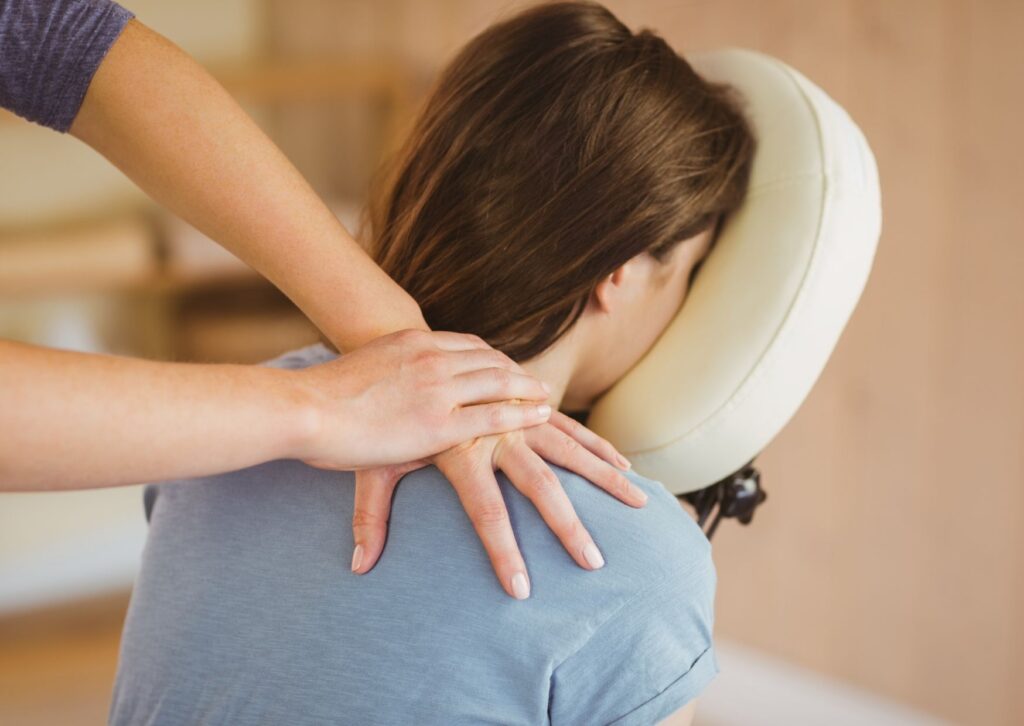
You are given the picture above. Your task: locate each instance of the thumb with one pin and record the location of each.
(374, 490)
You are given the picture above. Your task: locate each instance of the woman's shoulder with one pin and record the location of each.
(661, 538)
(643, 647)
(657, 545)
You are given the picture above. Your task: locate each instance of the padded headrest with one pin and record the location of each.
(772, 298)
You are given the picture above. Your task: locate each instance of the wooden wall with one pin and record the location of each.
(890, 553)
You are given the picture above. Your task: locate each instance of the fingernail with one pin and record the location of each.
(641, 495)
(357, 557)
(520, 586)
(544, 410)
(593, 556)
(624, 462)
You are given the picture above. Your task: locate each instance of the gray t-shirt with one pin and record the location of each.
(245, 611)
(49, 52)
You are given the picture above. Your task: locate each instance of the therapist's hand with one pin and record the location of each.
(409, 395)
(470, 468)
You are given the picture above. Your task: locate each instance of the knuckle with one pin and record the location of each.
(502, 379)
(543, 484)
(429, 360)
(463, 448)
(570, 445)
(362, 517)
(490, 515)
(409, 336)
(570, 427)
(497, 417)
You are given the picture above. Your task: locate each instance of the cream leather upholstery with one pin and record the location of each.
(772, 298)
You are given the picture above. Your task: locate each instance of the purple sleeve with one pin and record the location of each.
(49, 51)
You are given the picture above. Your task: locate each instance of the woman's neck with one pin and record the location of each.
(558, 366)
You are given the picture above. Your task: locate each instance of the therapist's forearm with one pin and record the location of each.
(167, 124)
(73, 420)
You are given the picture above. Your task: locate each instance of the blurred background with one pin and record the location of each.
(881, 583)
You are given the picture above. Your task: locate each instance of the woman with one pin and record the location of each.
(74, 420)
(556, 195)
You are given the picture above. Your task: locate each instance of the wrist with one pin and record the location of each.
(299, 409)
(406, 316)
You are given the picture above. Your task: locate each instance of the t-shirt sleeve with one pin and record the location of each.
(49, 52)
(650, 658)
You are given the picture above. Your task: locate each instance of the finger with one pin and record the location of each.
(480, 495)
(565, 451)
(593, 443)
(374, 490)
(470, 422)
(489, 385)
(534, 478)
(458, 341)
(464, 361)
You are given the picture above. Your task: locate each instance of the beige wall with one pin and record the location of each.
(49, 176)
(891, 552)
(891, 549)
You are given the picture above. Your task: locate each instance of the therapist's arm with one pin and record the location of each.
(76, 420)
(166, 123)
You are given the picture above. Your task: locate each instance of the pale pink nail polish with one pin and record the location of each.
(593, 556)
(520, 586)
(357, 557)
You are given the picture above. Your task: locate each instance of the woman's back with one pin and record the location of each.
(245, 611)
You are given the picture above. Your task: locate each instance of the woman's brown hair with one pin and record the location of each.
(556, 146)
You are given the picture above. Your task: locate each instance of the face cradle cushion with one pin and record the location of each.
(772, 298)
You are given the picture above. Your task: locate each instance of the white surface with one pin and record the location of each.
(755, 689)
(59, 546)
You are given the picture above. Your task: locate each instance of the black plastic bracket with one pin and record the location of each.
(737, 496)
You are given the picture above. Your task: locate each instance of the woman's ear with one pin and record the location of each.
(609, 291)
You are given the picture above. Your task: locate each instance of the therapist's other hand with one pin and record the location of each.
(470, 468)
(411, 394)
